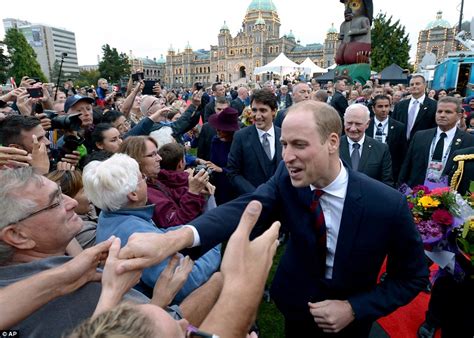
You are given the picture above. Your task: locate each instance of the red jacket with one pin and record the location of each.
(174, 204)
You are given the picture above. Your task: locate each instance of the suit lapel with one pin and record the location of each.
(421, 113)
(277, 145)
(350, 222)
(366, 149)
(458, 141)
(370, 129)
(390, 131)
(344, 155)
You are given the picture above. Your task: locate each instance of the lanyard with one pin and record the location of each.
(445, 154)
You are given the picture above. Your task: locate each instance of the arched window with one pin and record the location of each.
(271, 50)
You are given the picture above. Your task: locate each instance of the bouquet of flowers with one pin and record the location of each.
(435, 212)
(465, 240)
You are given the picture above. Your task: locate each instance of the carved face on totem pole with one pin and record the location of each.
(356, 8)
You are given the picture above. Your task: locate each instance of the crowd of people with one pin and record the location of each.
(115, 205)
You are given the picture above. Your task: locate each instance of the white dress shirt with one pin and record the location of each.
(420, 102)
(384, 129)
(351, 148)
(270, 137)
(447, 142)
(332, 203)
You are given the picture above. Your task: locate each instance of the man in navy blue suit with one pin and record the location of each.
(342, 226)
(256, 150)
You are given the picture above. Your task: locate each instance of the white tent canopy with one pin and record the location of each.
(331, 67)
(281, 65)
(310, 67)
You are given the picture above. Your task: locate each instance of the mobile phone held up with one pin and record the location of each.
(138, 76)
(35, 92)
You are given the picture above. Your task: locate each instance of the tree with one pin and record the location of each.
(22, 57)
(113, 65)
(87, 78)
(390, 44)
(4, 65)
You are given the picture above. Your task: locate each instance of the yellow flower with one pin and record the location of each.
(471, 225)
(428, 202)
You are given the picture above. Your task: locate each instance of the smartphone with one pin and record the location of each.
(148, 89)
(138, 76)
(35, 92)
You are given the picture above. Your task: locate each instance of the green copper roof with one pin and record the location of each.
(332, 29)
(161, 59)
(262, 5)
(439, 22)
(224, 27)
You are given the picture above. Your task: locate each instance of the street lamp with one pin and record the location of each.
(63, 55)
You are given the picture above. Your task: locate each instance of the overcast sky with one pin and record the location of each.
(149, 28)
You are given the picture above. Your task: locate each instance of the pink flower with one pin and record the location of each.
(410, 205)
(439, 191)
(442, 216)
(421, 188)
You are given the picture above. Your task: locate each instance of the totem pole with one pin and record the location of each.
(353, 54)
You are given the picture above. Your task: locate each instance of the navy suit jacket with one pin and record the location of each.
(339, 102)
(414, 167)
(425, 118)
(375, 160)
(246, 167)
(376, 222)
(396, 141)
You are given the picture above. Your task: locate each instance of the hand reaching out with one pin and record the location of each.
(171, 280)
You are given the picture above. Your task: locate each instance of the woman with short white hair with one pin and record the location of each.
(119, 189)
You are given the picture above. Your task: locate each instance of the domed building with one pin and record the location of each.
(234, 58)
(436, 38)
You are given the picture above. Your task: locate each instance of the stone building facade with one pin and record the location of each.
(437, 38)
(234, 58)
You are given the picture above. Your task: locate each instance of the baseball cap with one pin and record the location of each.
(72, 100)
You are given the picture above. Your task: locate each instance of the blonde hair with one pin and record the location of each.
(124, 321)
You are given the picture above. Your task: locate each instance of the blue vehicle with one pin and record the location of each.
(456, 72)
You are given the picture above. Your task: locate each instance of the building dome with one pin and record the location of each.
(332, 29)
(290, 35)
(161, 59)
(224, 27)
(439, 22)
(262, 5)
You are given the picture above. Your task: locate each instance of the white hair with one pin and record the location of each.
(13, 204)
(108, 183)
(163, 136)
(357, 107)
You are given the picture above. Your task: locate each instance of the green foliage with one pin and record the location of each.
(87, 78)
(22, 57)
(390, 44)
(4, 64)
(113, 65)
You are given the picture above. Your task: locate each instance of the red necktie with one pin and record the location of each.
(320, 230)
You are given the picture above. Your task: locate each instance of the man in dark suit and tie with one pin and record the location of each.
(387, 130)
(218, 90)
(339, 100)
(256, 150)
(430, 149)
(239, 102)
(342, 226)
(418, 113)
(361, 152)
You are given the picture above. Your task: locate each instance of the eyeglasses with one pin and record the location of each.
(58, 196)
(151, 105)
(153, 154)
